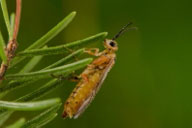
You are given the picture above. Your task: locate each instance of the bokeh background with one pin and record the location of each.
(150, 85)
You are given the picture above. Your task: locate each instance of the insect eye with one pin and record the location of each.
(112, 44)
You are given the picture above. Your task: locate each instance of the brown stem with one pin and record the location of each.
(12, 44)
(17, 19)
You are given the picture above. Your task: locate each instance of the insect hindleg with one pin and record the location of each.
(85, 77)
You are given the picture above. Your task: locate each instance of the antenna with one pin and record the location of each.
(123, 30)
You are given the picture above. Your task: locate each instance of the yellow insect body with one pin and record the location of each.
(92, 78)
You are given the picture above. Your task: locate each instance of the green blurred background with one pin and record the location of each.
(150, 85)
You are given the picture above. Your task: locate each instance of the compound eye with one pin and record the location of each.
(112, 44)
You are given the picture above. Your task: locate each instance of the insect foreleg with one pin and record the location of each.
(93, 51)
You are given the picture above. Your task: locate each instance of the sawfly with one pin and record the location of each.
(92, 77)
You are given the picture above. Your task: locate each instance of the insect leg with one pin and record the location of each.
(93, 51)
(71, 51)
(60, 77)
(85, 77)
(74, 78)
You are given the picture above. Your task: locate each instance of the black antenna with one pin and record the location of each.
(123, 30)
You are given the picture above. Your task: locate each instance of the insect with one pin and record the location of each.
(92, 77)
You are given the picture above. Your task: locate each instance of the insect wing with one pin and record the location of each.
(104, 74)
(86, 103)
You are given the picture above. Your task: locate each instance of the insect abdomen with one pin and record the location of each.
(85, 90)
(82, 92)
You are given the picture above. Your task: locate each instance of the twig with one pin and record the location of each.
(12, 45)
(17, 19)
